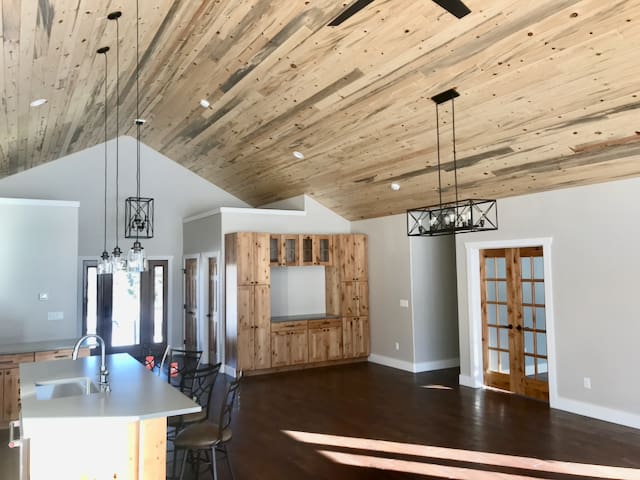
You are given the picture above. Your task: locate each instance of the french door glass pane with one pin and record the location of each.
(493, 360)
(158, 303)
(541, 344)
(539, 293)
(490, 269)
(504, 362)
(541, 323)
(493, 337)
(504, 338)
(525, 266)
(538, 268)
(92, 300)
(502, 291)
(502, 315)
(491, 313)
(501, 265)
(126, 309)
(491, 291)
(527, 315)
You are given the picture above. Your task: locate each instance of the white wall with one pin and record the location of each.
(420, 271)
(297, 291)
(594, 267)
(177, 191)
(38, 254)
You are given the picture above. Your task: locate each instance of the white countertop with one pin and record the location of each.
(136, 393)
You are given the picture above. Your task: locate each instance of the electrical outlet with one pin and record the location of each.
(55, 316)
(587, 383)
(397, 345)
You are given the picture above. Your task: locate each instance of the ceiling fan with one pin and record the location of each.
(454, 7)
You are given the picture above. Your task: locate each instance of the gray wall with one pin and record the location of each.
(202, 235)
(38, 254)
(389, 282)
(595, 265)
(435, 300)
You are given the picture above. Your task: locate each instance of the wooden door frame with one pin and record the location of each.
(205, 303)
(475, 309)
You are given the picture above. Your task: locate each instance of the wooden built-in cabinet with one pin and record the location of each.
(325, 340)
(253, 342)
(289, 343)
(248, 300)
(10, 378)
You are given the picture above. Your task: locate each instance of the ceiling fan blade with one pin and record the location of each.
(454, 7)
(349, 12)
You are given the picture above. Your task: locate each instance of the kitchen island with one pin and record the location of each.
(73, 430)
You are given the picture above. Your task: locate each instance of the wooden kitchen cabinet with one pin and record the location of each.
(325, 340)
(354, 299)
(289, 343)
(352, 253)
(10, 384)
(290, 245)
(355, 337)
(248, 300)
(323, 250)
(308, 248)
(254, 322)
(252, 250)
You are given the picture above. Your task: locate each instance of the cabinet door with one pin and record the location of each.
(280, 349)
(275, 257)
(299, 346)
(334, 342)
(245, 258)
(349, 292)
(262, 266)
(308, 248)
(245, 327)
(355, 333)
(363, 299)
(360, 257)
(346, 256)
(323, 250)
(11, 394)
(54, 355)
(262, 326)
(291, 249)
(318, 345)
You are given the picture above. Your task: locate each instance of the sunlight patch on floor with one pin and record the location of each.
(436, 387)
(432, 454)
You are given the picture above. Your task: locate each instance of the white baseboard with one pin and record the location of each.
(468, 381)
(413, 367)
(227, 370)
(595, 411)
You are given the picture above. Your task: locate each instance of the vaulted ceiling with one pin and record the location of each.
(548, 93)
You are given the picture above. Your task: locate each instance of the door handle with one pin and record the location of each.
(519, 328)
(510, 327)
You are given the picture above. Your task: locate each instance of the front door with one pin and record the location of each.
(212, 312)
(190, 303)
(514, 335)
(128, 310)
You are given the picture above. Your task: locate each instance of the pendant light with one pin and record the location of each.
(138, 211)
(118, 262)
(459, 216)
(104, 262)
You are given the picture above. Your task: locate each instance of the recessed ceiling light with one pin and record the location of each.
(204, 103)
(298, 155)
(38, 102)
(395, 187)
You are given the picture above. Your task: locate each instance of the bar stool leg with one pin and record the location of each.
(184, 462)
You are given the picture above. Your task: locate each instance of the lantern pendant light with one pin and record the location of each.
(138, 211)
(104, 262)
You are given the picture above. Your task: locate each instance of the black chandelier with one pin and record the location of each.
(138, 211)
(459, 216)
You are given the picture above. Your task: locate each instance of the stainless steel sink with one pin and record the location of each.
(65, 387)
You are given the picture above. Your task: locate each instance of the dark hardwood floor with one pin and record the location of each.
(400, 425)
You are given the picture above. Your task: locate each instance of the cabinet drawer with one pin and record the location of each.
(13, 360)
(294, 325)
(53, 355)
(325, 323)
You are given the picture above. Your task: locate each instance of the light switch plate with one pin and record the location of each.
(404, 303)
(54, 316)
(43, 297)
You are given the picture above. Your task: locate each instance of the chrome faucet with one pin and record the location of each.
(104, 373)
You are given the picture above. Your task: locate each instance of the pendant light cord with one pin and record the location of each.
(137, 107)
(117, 124)
(105, 151)
(438, 149)
(455, 167)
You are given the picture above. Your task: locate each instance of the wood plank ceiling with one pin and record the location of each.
(549, 93)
